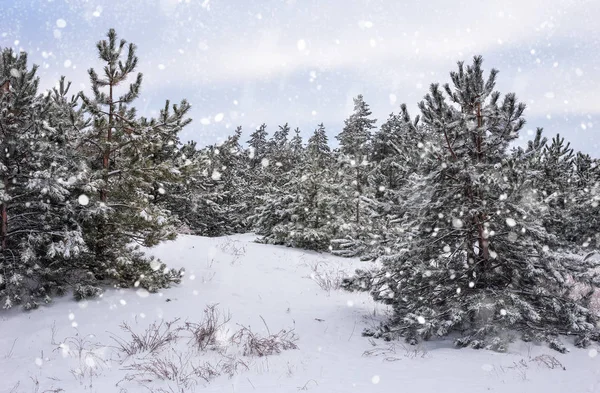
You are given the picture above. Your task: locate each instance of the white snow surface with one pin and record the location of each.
(251, 281)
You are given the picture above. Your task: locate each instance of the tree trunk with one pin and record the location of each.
(357, 196)
(106, 156)
(4, 226)
(5, 88)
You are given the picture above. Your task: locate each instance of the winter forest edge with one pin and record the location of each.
(473, 238)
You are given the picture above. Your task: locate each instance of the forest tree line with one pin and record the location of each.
(471, 234)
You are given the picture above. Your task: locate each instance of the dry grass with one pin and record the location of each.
(253, 344)
(548, 361)
(155, 337)
(392, 351)
(327, 279)
(205, 334)
(182, 367)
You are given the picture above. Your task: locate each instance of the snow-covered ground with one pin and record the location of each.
(68, 345)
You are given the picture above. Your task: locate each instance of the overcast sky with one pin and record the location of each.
(246, 62)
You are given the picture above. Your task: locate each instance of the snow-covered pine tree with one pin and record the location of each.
(556, 187)
(258, 146)
(278, 151)
(40, 169)
(584, 206)
(354, 208)
(397, 151)
(235, 189)
(296, 146)
(478, 261)
(355, 147)
(303, 215)
(130, 157)
(196, 201)
(272, 202)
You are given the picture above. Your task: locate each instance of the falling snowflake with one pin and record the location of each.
(142, 292)
(375, 380)
(264, 162)
(457, 223)
(83, 200)
(61, 23)
(301, 45)
(593, 353)
(155, 265)
(219, 117)
(216, 175)
(420, 319)
(511, 222)
(503, 312)
(90, 362)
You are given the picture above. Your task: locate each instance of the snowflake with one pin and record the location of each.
(457, 223)
(83, 200)
(301, 45)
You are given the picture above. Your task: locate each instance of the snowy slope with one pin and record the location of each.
(254, 282)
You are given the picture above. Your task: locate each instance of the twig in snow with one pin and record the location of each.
(351, 334)
(10, 353)
(305, 387)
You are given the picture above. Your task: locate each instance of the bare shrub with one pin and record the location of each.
(155, 337)
(205, 333)
(326, 279)
(253, 344)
